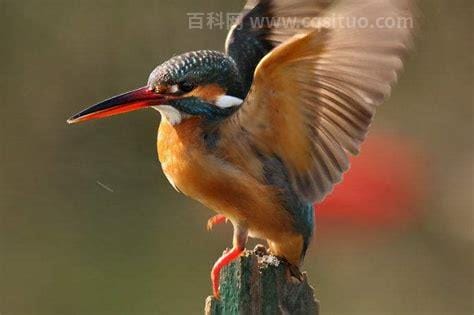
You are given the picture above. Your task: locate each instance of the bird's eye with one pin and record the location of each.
(160, 89)
(186, 87)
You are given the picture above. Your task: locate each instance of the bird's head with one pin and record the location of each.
(202, 83)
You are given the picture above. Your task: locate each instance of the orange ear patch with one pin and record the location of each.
(208, 93)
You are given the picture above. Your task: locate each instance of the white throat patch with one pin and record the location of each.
(226, 101)
(171, 114)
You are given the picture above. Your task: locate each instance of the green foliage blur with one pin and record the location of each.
(90, 226)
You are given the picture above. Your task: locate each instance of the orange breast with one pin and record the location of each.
(225, 186)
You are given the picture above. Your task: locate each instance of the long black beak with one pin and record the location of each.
(141, 98)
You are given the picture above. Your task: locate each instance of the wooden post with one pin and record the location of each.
(257, 283)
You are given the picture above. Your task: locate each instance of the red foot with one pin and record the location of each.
(226, 259)
(217, 219)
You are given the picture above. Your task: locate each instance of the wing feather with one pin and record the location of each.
(258, 30)
(314, 96)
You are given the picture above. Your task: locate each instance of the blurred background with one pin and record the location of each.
(89, 224)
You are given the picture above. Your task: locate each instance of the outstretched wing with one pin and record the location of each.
(262, 26)
(314, 97)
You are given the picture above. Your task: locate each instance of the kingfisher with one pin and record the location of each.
(261, 132)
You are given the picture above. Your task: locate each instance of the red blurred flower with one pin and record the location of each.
(382, 189)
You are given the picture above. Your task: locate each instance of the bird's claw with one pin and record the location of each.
(296, 273)
(217, 219)
(227, 257)
(260, 250)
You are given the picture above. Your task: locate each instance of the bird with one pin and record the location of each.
(262, 131)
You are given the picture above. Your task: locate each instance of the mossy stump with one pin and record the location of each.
(257, 283)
